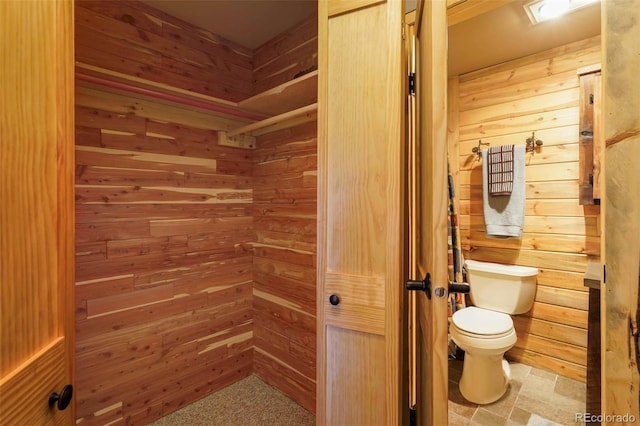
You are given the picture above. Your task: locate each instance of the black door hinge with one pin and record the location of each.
(412, 83)
(591, 98)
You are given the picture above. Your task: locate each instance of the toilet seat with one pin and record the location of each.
(482, 323)
(461, 333)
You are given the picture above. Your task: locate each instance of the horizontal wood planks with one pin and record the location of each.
(284, 265)
(164, 220)
(284, 57)
(284, 214)
(503, 105)
(195, 261)
(136, 39)
(164, 273)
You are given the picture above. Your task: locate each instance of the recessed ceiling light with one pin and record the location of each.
(544, 10)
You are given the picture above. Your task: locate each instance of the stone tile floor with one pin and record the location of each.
(535, 397)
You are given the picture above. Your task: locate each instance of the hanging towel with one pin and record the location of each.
(504, 215)
(500, 165)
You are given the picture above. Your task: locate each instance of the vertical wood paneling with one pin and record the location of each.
(503, 105)
(621, 134)
(164, 218)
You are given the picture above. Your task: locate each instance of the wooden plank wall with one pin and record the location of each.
(503, 105)
(164, 224)
(135, 39)
(284, 263)
(285, 56)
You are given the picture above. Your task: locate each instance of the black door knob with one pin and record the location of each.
(455, 287)
(334, 299)
(424, 285)
(63, 399)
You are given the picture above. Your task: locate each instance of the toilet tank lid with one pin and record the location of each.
(497, 268)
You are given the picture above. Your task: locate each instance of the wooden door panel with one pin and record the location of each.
(356, 197)
(358, 401)
(360, 200)
(30, 386)
(36, 209)
(361, 305)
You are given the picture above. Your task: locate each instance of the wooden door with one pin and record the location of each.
(428, 214)
(361, 213)
(36, 210)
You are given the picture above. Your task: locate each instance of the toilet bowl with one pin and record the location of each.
(483, 377)
(485, 331)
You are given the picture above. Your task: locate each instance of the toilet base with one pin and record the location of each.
(484, 378)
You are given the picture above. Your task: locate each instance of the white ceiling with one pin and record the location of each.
(498, 36)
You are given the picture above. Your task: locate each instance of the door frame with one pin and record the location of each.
(428, 214)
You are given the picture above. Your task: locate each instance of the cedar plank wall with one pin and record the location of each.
(280, 59)
(285, 222)
(164, 221)
(503, 105)
(135, 39)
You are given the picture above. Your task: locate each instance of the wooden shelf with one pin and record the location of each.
(283, 106)
(288, 96)
(283, 103)
(91, 75)
(277, 119)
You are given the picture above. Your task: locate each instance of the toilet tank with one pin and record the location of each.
(503, 288)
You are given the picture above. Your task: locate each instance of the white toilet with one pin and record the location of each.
(485, 331)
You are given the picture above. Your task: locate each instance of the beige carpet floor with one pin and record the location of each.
(248, 402)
